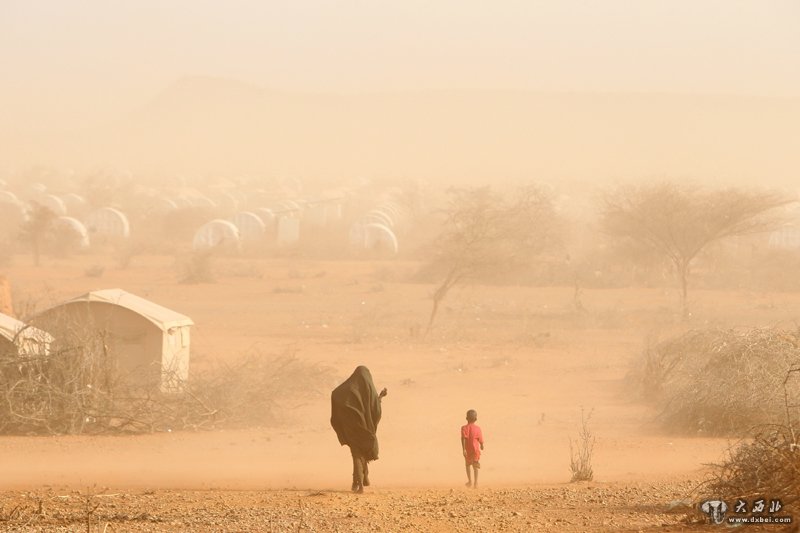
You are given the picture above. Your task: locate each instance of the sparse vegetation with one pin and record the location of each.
(718, 382)
(580, 451)
(125, 253)
(78, 389)
(94, 271)
(769, 463)
(197, 267)
(258, 390)
(678, 222)
(487, 237)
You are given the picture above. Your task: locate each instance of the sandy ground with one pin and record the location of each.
(581, 507)
(523, 357)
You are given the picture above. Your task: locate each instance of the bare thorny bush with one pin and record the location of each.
(745, 382)
(256, 389)
(768, 465)
(718, 382)
(78, 388)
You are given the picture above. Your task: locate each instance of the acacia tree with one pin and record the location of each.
(485, 235)
(678, 222)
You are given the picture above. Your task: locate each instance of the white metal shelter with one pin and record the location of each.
(146, 340)
(18, 338)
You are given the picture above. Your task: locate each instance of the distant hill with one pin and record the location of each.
(210, 125)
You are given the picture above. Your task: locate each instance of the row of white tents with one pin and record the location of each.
(374, 231)
(104, 223)
(280, 222)
(281, 225)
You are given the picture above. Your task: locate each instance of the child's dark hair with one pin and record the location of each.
(472, 415)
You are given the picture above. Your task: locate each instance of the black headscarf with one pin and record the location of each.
(355, 413)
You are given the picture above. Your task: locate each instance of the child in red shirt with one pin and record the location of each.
(471, 445)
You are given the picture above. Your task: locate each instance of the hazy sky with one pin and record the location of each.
(100, 57)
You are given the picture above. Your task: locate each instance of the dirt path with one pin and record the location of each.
(565, 508)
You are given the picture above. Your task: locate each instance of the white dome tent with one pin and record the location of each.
(53, 203)
(108, 222)
(375, 238)
(380, 238)
(8, 196)
(251, 227)
(227, 202)
(394, 210)
(379, 217)
(161, 205)
(266, 215)
(68, 228)
(217, 233)
(74, 203)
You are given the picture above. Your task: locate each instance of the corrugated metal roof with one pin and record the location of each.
(160, 316)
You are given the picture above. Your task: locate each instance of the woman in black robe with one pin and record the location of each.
(355, 413)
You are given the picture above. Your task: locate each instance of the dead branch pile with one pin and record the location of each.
(257, 390)
(77, 391)
(719, 382)
(768, 466)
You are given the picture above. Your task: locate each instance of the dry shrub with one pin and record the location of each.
(766, 467)
(79, 390)
(125, 251)
(94, 271)
(580, 452)
(60, 391)
(255, 390)
(197, 267)
(242, 269)
(719, 382)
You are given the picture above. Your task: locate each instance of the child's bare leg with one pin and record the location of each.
(475, 467)
(469, 477)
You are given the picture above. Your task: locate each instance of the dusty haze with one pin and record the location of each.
(176, 113)
(459, 90)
